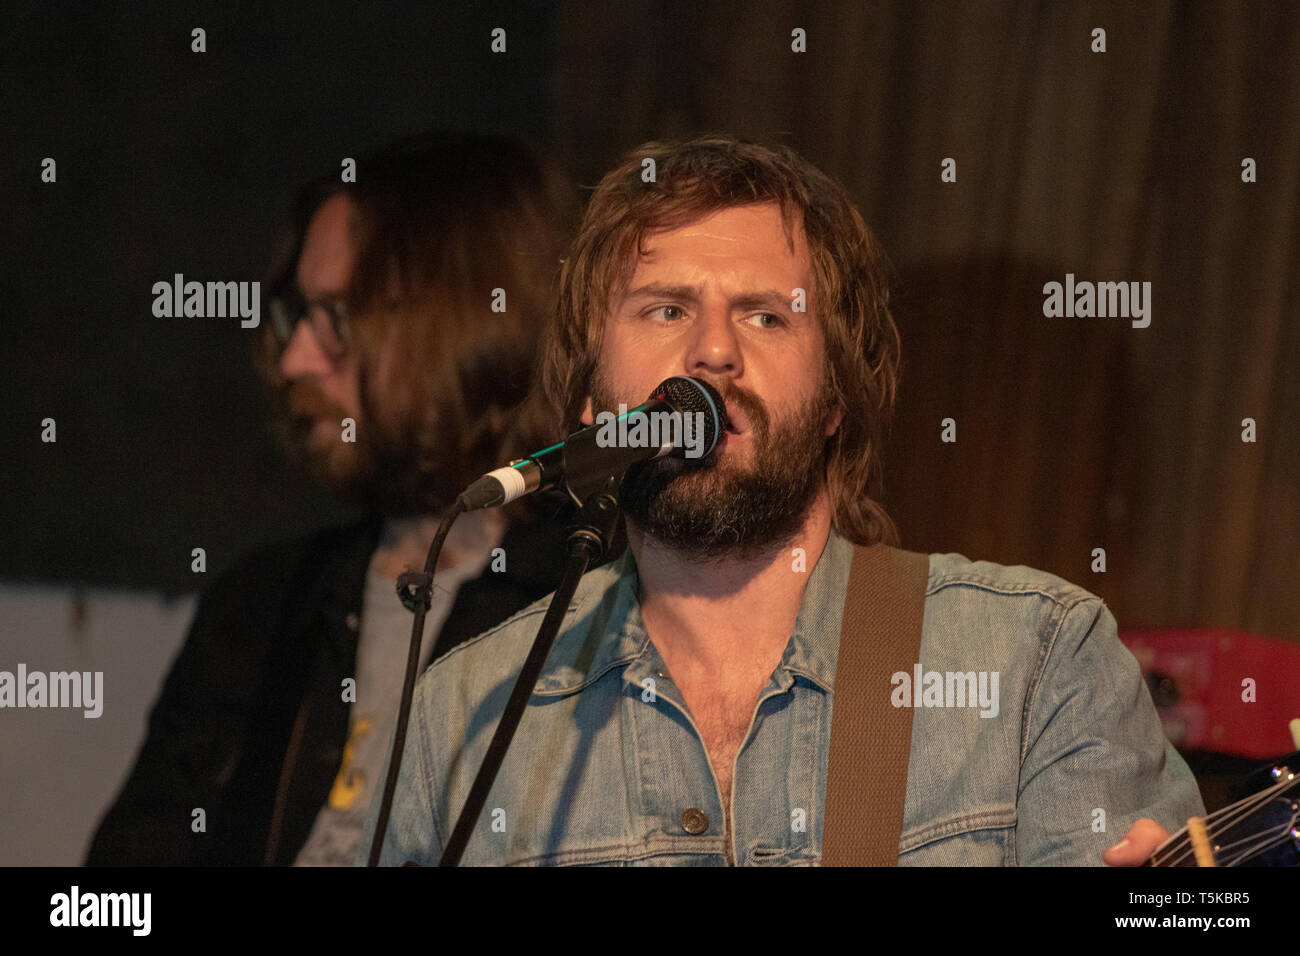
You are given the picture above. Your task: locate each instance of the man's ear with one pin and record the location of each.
(588, 414)
(833, 419)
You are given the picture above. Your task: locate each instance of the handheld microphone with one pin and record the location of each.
(586, 459)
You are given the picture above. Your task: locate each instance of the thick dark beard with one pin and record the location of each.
(708, 508)
(394, 474)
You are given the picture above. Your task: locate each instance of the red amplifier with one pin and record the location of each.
(1220, 690)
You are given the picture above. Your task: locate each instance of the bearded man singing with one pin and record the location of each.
(683, 715)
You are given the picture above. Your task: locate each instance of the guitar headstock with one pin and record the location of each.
(1261, 829)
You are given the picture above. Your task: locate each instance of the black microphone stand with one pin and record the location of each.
(589, 539)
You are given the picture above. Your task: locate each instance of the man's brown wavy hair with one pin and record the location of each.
(692, 180)
(441, 220)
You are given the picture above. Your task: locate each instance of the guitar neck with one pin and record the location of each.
(1261, 829)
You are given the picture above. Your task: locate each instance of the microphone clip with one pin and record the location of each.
(415, 588)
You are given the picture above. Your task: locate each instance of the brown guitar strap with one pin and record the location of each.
(866, 777)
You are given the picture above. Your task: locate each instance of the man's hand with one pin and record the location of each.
(1142, 838)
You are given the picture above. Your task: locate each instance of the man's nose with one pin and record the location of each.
(303, 356)
(714, 346)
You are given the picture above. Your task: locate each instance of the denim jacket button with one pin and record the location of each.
(695, 820)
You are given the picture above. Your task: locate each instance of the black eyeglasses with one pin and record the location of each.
(327, 316)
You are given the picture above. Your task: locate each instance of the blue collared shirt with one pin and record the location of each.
(608, 766)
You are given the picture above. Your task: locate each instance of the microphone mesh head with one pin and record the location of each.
(690, 395)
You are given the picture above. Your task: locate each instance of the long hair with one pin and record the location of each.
(692, 180)
(442, 221)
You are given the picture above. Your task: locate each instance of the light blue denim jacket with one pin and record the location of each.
(603, 772)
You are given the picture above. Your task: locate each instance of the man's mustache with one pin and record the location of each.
(755, 411)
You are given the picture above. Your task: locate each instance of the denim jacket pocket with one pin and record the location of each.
(760, 855)
(979, 838)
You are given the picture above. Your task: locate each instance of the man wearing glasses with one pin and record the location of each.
(404, 311)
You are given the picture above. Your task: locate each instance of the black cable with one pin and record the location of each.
(416, 591)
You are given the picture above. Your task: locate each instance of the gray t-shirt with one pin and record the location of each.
(381, 662)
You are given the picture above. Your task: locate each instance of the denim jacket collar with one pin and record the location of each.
(603, 629)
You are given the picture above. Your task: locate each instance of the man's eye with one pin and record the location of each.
(665, 310)
(768, 320)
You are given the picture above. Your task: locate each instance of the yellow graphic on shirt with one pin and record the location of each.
(350, 782)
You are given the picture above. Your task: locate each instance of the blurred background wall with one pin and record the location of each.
(1072, 433)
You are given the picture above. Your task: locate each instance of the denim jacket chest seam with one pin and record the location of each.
(965, 823)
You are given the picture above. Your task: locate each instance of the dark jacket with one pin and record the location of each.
(250, 725)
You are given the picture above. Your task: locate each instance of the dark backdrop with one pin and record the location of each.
(1073, 434)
